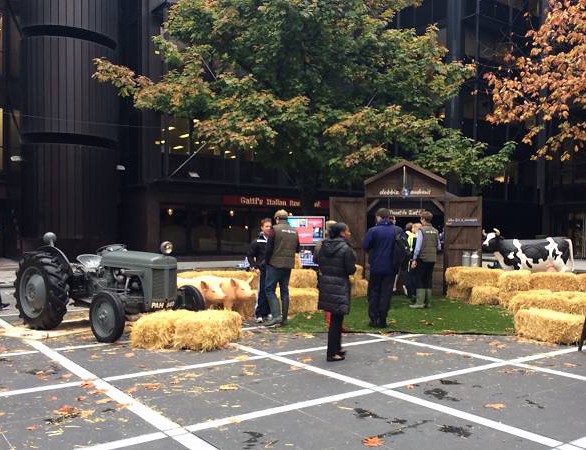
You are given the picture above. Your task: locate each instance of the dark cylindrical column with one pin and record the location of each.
(69, 123)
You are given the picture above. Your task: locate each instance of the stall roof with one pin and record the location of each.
(400, 165)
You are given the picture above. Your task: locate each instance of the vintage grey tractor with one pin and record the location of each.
(114, 283)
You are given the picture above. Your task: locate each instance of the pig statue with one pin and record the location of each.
(209, 286)
(236, 291)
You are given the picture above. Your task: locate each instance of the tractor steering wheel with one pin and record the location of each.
(110, 248)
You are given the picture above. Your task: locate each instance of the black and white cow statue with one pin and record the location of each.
(552, 254)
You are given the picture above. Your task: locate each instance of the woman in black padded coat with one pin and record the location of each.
(337, 262)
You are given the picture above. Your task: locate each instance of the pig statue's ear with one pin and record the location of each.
(250, 278)
(497, 231)
(233, 282)
(204, 285)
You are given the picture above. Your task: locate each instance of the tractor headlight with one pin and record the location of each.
(166, 248)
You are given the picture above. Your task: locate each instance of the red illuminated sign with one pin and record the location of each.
(269, 202)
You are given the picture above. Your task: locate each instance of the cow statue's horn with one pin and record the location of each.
(497, 231)
(483, 232)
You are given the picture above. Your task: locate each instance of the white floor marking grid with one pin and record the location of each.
(147, 414)
(170, 429)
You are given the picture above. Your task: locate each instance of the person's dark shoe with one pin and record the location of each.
(336, 357)
(342, 352)
(4, 305)
(373, 324)
(275, 322)
(382, 325)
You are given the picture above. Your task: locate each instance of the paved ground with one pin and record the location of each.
(275, 390)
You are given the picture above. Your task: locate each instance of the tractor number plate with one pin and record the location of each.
(161, 305)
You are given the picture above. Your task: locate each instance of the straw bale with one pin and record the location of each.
(246, 307)
(570, 302)
(554, 281)
(298, 264)
(155, 330)
(477, 276)
(484, 295)
(301, 300)
(452, 273)
(581, 282)
(303, 278)
(237, 274)
(359, 288)
(514, 280)
(456, 292)
(359, 271)
(549, 326)
(207, 330)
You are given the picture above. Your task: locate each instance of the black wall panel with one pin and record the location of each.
(69, 123)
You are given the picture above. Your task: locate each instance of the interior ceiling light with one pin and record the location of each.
(183, 136)
(233, 157)
(178, 147)
(228, 151)
(171, 128)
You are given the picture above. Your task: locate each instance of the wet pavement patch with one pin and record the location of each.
(458, 431)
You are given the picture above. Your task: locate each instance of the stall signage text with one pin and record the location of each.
(242, 200)
(462, 222)
(416, 192)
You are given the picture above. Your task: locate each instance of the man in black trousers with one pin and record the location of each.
(379, 242)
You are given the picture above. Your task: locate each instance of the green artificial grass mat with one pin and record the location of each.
(445, 316)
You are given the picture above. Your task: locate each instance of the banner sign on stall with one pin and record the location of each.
(309, 228)
(268, 202)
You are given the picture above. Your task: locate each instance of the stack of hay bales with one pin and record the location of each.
(473, 284)
(359, 286)
(571, 302)
(202, 330)
(581, 282)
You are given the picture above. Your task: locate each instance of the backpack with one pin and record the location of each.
(401, 250)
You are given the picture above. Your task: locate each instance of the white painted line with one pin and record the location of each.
(277, 410)
(66, 348)
(49, 387)
(475, 419)
(181, 368)
(144, 412)
(579, 442)
(568, 447)
(27, 352)
(324, 347)
(129, 441)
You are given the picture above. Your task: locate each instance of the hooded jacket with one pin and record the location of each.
(379, 242)
(336, 261)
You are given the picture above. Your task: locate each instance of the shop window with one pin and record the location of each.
(490, 47)
(174, 228)
(175, 135)
(204, 230)
(236, 232)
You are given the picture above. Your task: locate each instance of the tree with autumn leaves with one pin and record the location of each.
(546, 88)
(325, 90)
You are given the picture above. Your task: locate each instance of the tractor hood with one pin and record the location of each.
(137, 260)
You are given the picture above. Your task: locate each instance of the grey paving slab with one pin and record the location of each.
(526, 399)
(574, 363)
(345, 424)
(65, 419)
(219, 392)
(503, 347)
(29, 371)
(166, 444)
(10, 344)
(390, 361)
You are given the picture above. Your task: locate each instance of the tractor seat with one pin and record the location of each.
(89, 261)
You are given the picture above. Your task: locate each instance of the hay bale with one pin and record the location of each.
(359, 272)
(567, 302)
(451, 273)
(554, 281)
(298, 264)
(511, 282)
(456, 292)
(155, 330)
(301, 300)
(246, 307)
(484, 295)
(303, 278)
(359, 288)
(207, 330)
(237, 274)
(549, 326)
(477, 276)
(581, 282)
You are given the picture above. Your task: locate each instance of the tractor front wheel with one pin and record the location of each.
(41, 290)
(190, 298)
(107, 317)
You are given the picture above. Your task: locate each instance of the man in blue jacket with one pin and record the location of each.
(379, 242)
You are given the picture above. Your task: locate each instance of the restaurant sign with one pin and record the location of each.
(269, 202)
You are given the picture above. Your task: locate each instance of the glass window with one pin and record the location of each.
(174, 227)
(176, 135)
(236, 231)
(204, 230)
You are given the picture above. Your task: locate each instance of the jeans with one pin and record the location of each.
(280, 276)
(335, 334)
(380, 290)
(262, 304)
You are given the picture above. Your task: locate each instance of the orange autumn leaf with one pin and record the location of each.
(65, 409)
(151, 386)
(496, 406)
(373, 441)
(424, 354)
(129, 354)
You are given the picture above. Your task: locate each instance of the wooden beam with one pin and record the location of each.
(439, 205)
(372, 205)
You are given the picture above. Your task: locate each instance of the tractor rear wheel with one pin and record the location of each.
(190, 298)
(41, 290)
(107, 317)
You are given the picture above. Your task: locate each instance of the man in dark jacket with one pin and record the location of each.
(256, 259)
(282, 244)
(337, 262)
(379, 242)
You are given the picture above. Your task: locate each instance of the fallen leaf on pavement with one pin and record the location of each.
(103, 401)
(129, 354)
(306, 359)
(423, 354)
(229, 387)
(410, 386)
(151, 386)
(65, 409)
(373, 441)
(31, 427)
(80, 398)
(495, 406)
(570, 365)
(242, 358)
